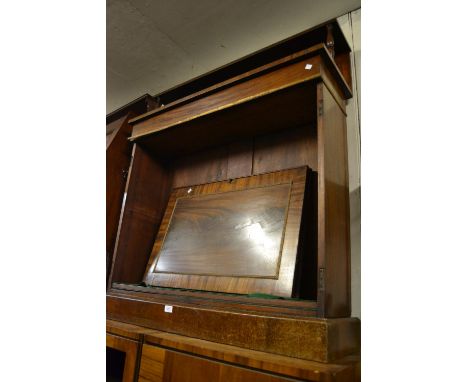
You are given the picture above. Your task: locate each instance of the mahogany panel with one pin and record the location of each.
(147, 191)
(289, 148)
(334, 296)
(280, 284)
(235, 233)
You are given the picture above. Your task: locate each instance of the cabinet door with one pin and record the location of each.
(159, 365)
(122, 356)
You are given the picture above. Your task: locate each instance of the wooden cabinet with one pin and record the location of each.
(235, 226)
(167, 357)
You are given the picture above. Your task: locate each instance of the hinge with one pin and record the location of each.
(321, 283)
(320, 108)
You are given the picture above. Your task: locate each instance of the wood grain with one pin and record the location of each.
(220, 301)
(274, 111)
(288, 148)
(147, 191)
(118, 156)
(237, 233)
(254, 360)
(300, 337)
(131, 350)
(333, 205)
(123, 329)
(282, 285)
(152, 364)
(206, 166)
(158, 347)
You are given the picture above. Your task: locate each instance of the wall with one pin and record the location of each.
(351, 26)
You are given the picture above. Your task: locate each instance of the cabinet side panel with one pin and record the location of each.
(118, 155)
(147, 194)
(333, 201)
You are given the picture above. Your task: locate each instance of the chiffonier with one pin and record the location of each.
(232, 250)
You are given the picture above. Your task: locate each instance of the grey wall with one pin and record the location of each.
(351, 25)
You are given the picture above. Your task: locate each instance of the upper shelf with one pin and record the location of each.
(264, 99)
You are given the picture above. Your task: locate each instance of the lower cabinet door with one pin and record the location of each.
(159, 365)
(122, 359)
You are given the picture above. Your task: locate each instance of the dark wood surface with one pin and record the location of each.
(147, 191)
(288, 148)
(235, 233)
(333, 208)
(264, 56)
(118, 156)
(321, 340)
(132, 354)
(279, 277)
(284, 108)
(210, 165)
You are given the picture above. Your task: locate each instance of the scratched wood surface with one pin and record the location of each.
(215, 255)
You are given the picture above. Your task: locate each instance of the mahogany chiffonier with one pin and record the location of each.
(232, 253)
